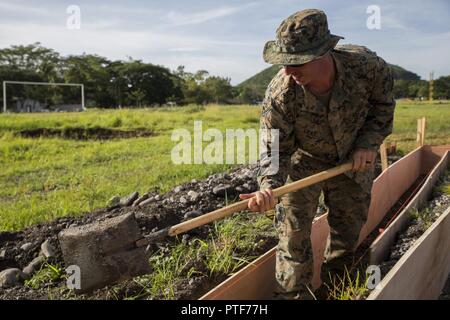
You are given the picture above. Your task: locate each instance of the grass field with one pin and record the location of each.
(44, 178)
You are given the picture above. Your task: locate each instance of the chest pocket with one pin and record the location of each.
(312, 130)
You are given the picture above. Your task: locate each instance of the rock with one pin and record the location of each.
(3, 254)
(247, 186)
(249, 175)
(145, 202)
(27, 246)
(183, 200)
(185, 238)
(35, 264)
(128, 200)
(10, 277)
(223, 189)
(240, 189)
(178, 189)
(47, 249)
(136, 202)
(192, 214)
(157, 197)
(113, 202)
(193, 195)
(194, 181)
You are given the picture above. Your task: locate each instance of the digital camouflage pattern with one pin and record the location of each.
(300, 38)
(313, 137)
(348, 206)
(359, 115)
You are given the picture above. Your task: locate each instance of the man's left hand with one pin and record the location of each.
(364, 159)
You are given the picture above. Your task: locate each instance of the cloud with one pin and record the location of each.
(171, 33)
(182, 19)
(20, 8)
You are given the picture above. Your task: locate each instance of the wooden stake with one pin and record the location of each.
(383, 155)
(422, 137)
(420, 132)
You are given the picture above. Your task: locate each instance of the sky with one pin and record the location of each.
(225, 37)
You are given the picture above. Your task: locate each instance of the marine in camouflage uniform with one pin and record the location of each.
(316, 133)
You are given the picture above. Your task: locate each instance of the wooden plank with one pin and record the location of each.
(422, 138)
(379, 250)
(419, 133)
(422, 271)
(383, 156)
(389, 186)
(254, 281)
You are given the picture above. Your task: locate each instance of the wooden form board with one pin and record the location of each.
(379, 249)
(422, 271)
(387, 189)
(389, 186)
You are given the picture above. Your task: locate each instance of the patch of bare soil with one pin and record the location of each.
(84, 133)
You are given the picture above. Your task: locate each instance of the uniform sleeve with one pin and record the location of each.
(379, 120)
(274, 122)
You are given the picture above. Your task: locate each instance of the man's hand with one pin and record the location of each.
(364, 159)
(261, 201)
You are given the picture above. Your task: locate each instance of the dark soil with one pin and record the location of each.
(84, 133)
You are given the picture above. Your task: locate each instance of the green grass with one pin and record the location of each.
(347, 286)
(46, 275)
(230, 245)
(42, 179)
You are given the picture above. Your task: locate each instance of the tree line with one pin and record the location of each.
(107, 83)
(134, 83)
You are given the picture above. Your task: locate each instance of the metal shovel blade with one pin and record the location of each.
(104, 251)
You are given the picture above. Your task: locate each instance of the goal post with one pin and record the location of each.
(43, 84)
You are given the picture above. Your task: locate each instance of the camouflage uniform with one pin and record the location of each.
(314, 136)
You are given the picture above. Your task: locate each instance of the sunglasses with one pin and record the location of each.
(293, 65)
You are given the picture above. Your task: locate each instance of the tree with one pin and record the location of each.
(442, 88)
(218, 89)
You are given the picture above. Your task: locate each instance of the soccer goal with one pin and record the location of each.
(32, 107)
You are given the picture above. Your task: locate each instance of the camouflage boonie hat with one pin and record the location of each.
(301, 38)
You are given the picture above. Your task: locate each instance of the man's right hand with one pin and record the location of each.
(261, 201)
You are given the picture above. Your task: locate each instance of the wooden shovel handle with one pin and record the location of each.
(242, 205)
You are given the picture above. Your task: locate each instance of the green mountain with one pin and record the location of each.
(253, 89)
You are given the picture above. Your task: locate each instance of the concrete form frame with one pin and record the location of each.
(257, 280)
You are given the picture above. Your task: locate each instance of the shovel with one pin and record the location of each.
(114, 249)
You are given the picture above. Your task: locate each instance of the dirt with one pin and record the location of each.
(84, 133)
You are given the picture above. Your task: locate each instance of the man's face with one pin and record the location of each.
(304, 73)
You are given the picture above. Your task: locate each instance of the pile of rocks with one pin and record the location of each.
(14, 276)
(195, 197)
